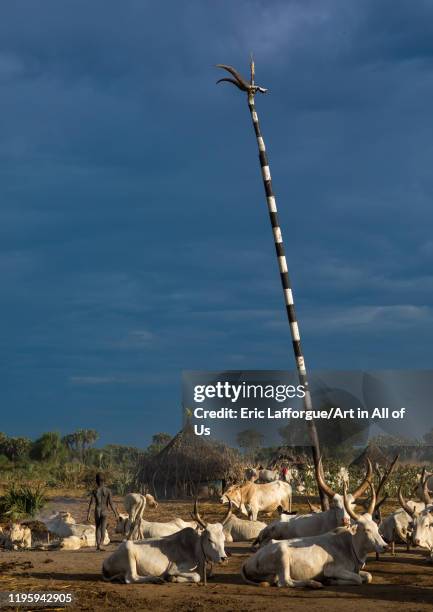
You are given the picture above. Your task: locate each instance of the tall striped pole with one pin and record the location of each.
(251, 89)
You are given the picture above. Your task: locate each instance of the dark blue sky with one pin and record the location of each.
(135, 241)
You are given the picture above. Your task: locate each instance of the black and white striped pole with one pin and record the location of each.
(251, 90)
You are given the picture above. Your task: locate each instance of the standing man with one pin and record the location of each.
(102, 497)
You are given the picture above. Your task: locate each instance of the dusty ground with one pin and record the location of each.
(403, 581)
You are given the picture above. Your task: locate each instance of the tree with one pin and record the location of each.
(80, 441)
(16, 448)
(48, 447)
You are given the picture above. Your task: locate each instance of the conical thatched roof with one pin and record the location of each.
(190, 459)
(374, 453)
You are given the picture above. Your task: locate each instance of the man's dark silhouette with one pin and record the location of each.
(102, 497)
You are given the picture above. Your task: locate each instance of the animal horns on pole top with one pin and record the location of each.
(321, 481)
(196, 516)
(404, 504)
(239, 81)
(365, 483)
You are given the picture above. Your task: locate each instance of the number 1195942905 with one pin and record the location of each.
(35, 598)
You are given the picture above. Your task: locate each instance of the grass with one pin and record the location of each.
(22, 502)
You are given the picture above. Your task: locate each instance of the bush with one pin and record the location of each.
(22, 502)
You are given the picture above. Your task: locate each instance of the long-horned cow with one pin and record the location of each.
(398, 526)
(252, 498)
(153, 529)
(73, 535)
(241, 530)
(180, 557)
(337, 556)
(315, 523)
(422, 521)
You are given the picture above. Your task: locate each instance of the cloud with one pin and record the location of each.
(370, 318)
(135, 238)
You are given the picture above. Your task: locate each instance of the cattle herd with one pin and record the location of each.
(295, 550)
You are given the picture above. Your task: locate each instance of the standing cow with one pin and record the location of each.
(135, 504)
(252, 498)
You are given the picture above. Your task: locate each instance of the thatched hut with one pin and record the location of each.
(375, 454)
(293, 456)
(190, 464)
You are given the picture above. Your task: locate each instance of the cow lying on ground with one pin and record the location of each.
(73, 535)
(152, 529)
(304, 525)
(16, 537)
(135, 504)
(337, 556)
(241, 530)
(180, 557)
(422, 521)
(252, 498)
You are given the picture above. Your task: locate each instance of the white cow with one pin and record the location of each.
(180, 557)
(153, 529)
(304, 525)
(266, 475)
(338, 555)
(73, 535)
(422, 521)
(421, 479)
(423, 530)
(241, 530)
(397, 527)
(251, 498)
(135, 504)
(59, 523)
(18, 537)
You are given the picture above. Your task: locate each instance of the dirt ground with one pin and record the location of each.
(404, 581)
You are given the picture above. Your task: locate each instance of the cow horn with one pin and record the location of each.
(228, 515)
(347, 505)
(365, 483)
(425, 492)
(196, 516)
(372, 504)
(321, 481)
(386, 476)
(403, 503)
